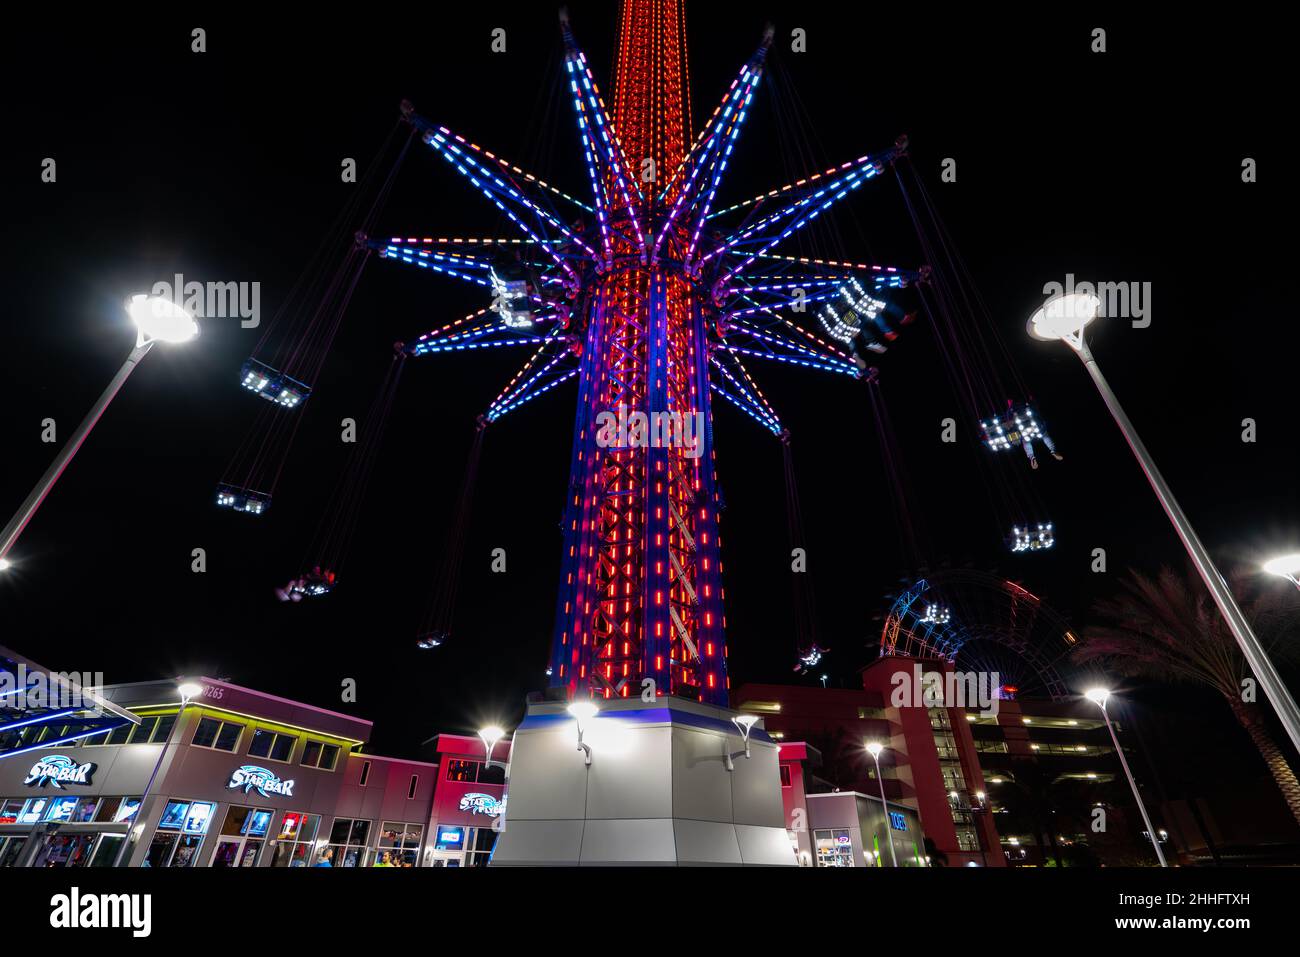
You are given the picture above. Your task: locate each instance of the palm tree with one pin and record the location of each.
(1168, 629)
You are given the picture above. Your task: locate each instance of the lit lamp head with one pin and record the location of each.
(1064, 317)
(583, 711)
(1285, 566)
(1098, 696)
(745, 722)
(874, 748)
(157, 318)
(189, 690)
(5, 565)
(490, 736)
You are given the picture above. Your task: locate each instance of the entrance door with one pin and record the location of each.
(65, 850)
(10, 850)
(240, 852)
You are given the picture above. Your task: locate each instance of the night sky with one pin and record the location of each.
(225, 165)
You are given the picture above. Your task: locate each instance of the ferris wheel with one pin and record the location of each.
(982, 622)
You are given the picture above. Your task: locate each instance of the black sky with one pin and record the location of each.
(224, 166)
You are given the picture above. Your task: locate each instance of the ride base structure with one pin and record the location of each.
(658, 790)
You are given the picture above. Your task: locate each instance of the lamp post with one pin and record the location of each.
(874, 748)
(1064, 318)
(744, 723)
(490, 736)
(583, 711)
(1285, 566)
(157, 319)
(188, 690)
(1099, 697)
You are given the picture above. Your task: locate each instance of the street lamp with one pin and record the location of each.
(491, 735)
(744, 722)
(1099, 697)
(188, 690)
(157, 319)
(1064, 318)
(874, 748)
(1285, 566)
(583, 711)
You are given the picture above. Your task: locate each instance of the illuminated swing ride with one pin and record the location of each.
(651, 298)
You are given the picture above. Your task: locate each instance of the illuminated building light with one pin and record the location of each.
(435, 639)
(260, 379)
(1032, 538)
(242, 499)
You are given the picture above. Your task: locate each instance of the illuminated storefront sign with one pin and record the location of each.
(266, 782)
(897, 821)
(477, 803)
(58, 770)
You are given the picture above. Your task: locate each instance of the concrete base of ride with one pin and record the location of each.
(657, 791)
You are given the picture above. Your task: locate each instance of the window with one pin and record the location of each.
(318, 754)
(271, 744)
(117, 810)
(164, 729)
(415, 783)
(296, 839)
(785, 775)
(121, 734)
(179, 834)
(480, 848)
(873, 713)
(401, 844)
(144, 729)
(347, 846)
(217, 734)
(462, 771)
(834, 848)
(365, 772)
(10, 809)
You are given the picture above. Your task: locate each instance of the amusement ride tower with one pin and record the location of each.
(650, 302)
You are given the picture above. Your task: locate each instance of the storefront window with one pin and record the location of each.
(401, 842)
(10, 849)
(180, 834)
(296, 839)
(834, 848)
(348, 842)
(117, 810)
(242, 835)
(481, 845)
(10, 809)
(60, 810)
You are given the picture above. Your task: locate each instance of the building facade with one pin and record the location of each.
(930, 765)
(239, 778)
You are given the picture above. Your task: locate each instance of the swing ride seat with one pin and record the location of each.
(260, 379)
(510, 300)
(316, 583)
(1032, 538)
(843, 320)
(242, 499)
(1019, 424)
